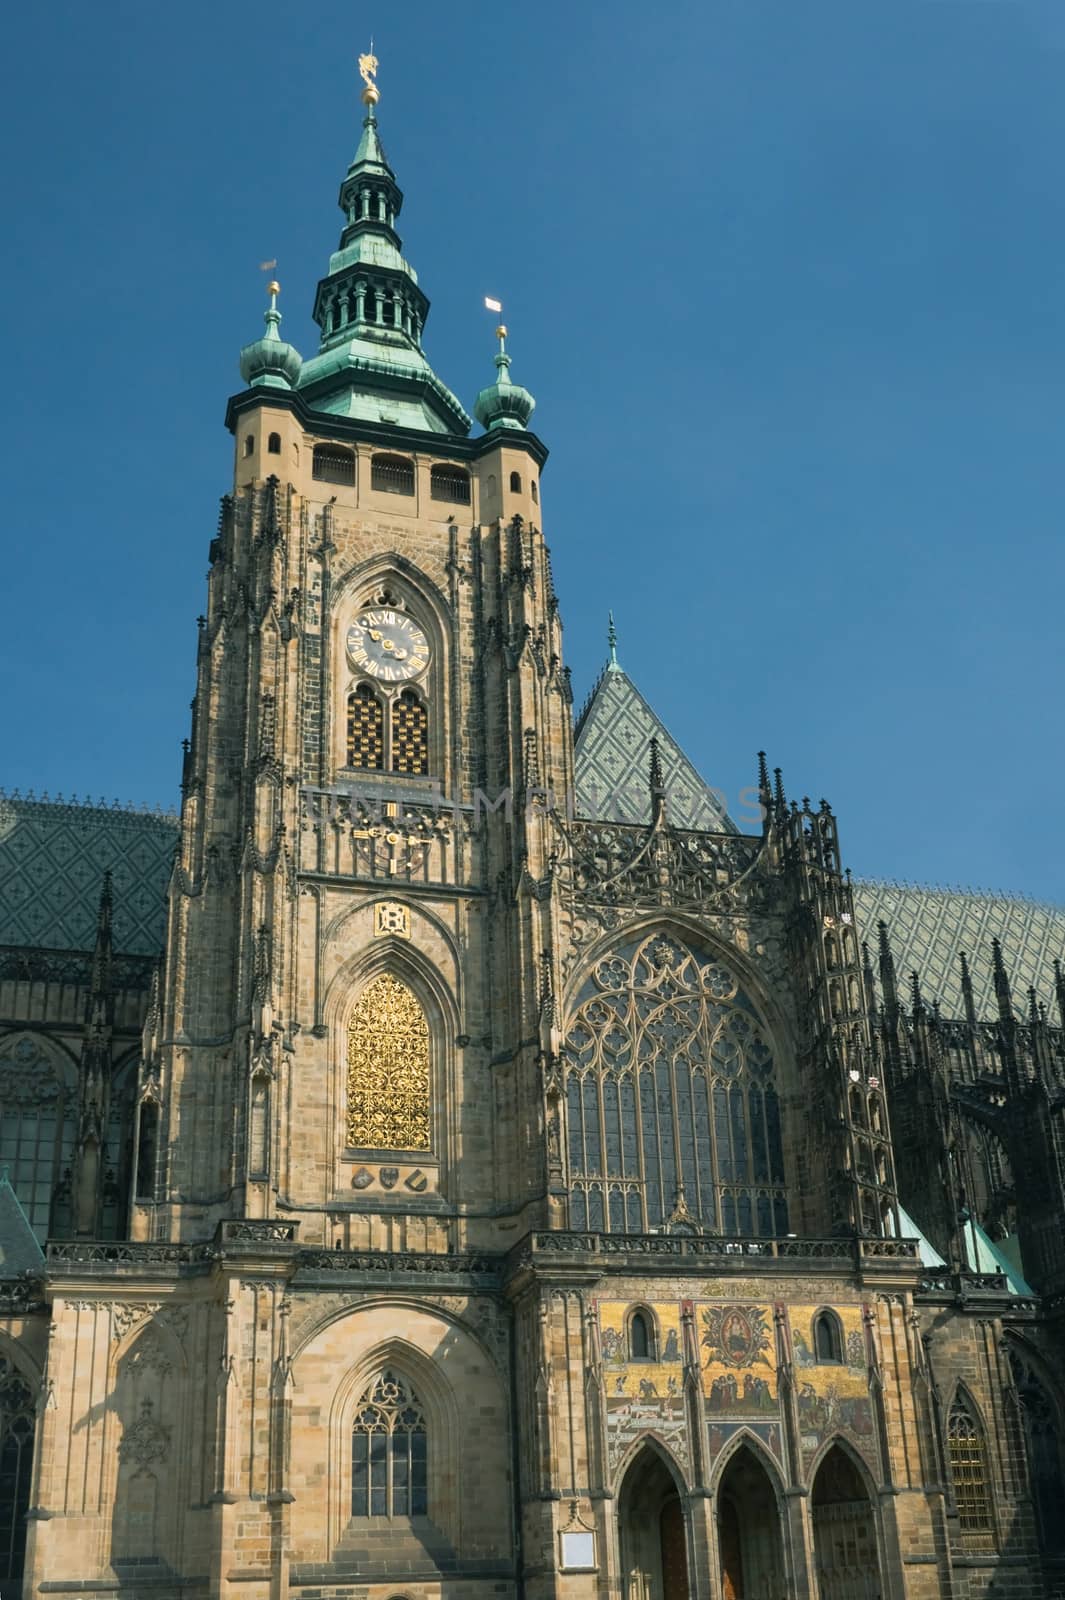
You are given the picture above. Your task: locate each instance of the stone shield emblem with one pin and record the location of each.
(389, 1176)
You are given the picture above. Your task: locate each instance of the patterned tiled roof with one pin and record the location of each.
(53, 855)
(613, 739)
(929, 928)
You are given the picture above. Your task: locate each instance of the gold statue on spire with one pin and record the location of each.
(368, 72)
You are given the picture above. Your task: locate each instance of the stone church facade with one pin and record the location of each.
(512, 1178)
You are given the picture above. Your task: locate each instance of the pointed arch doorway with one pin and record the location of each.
(652, 1531)
(748, 1531)
(845, 1545)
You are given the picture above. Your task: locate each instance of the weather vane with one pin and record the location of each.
(368, 72)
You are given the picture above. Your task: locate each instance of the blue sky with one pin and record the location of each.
(784, 275)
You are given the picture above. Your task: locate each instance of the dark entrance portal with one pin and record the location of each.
(748, 1531)
(653, 1532)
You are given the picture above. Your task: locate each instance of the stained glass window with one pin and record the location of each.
(389, 1465)
(672, 1109)
(388, 1069)
(16, 1459)
(410, 734)
(36, 1137)
(366, 730)
(968, 1469)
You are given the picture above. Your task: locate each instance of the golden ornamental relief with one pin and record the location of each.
(388, 1069)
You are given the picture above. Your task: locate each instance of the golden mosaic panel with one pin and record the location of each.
(659, 1377)
(739, 1362)
(848, 1379)
(388, 1069)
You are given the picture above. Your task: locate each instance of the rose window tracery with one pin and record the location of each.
(672, 1110)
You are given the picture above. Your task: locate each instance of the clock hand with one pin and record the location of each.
(375, 636)
(400, 655)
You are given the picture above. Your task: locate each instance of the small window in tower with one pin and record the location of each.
(534, 491)
(249, 443)
(388, 312)
(515, 483)
(366, 730)
(392, 474)
(273, 444)
(828, 1338)
(333, 464)
(410, 735)
(451, 484)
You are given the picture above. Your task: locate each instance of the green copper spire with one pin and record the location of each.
(270, 363)
(612, 641)
(504, 404)
(370, 310)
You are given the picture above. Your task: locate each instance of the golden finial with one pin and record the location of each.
(368, 72)
(273, 287)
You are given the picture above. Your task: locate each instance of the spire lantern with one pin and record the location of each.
(504, 404)
(371, 312)
(270, 363)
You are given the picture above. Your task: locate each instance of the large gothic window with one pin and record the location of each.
(36, 1137)
(389, 1466)
(388, 1069)
(16, 1459)
(968, 1468)
(672, 1112)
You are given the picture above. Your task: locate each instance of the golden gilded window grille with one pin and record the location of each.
(968, 1469)
(366, 730)
(388, 1069)
(410, 735)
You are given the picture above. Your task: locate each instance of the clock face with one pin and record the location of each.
(388, 645)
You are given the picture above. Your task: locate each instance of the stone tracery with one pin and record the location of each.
(673, 1116)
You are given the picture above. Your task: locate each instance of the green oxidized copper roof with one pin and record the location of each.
(53, 856)
(270, 363)
(612, 755)
(929, 928)
(364, 368)
(504, 404)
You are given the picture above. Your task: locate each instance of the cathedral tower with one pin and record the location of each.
(512, 1205)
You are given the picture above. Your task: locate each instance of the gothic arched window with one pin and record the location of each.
(389, 1462)
(410, 734)
(16, 1458)
(968, 1468)
(36, 1137)
(641, 1337)
(672, 1111)
(366, 730)
(388, 1069)
(828, 1337)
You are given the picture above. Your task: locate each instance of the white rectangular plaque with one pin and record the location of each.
(578, 1551)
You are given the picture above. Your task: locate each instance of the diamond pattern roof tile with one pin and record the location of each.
(612, 760)
(53, 855)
